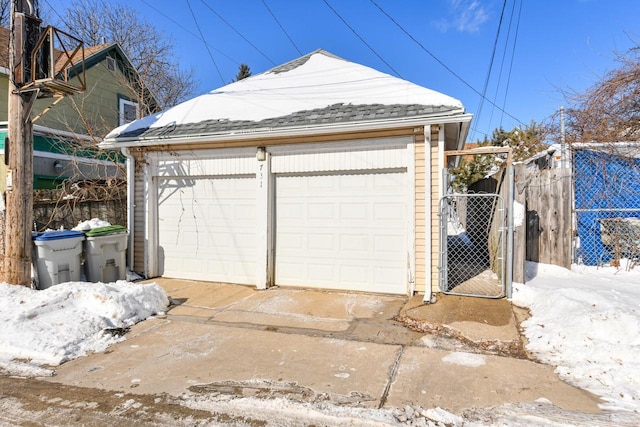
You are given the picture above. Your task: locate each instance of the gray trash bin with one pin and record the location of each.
(57, 257)
(105, 250)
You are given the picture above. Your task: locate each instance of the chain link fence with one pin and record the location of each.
(607, 204)
(472, 239)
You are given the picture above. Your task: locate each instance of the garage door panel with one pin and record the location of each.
(320, 211)
(388, 244)
(355, 243)
(345, 229)
(207, 230)
(321, 242)
(350, 182)
(354, 274)
(357, 211)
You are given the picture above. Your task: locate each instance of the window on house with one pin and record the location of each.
(129, 111)
(111, 63)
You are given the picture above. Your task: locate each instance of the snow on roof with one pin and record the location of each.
(311, 83)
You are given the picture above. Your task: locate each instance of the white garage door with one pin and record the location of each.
(342, 231)
(207, 229)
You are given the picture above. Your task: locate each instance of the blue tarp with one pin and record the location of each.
(609, 184)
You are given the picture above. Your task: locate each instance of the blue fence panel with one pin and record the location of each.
(607, 185)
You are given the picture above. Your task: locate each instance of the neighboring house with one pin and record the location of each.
(66, 134)
(318, 173)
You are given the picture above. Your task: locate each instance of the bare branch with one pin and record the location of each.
(150, 51)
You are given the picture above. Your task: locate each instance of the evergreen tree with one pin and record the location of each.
(524, 142)
(243, 72)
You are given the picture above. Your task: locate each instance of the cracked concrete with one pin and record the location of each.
(309, 345)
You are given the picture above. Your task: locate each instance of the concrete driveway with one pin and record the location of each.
(314, 346)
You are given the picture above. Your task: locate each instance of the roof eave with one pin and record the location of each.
(455, 116)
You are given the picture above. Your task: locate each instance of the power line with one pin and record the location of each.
(281, 27)
(440, 62)
(56, 12)
(361, 39)
(504, 57)
(204, 41)
(237, 32)
(493, 57)
(188, 31)
(513, 52)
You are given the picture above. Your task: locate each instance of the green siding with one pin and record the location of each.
(99, 104)
(4, 97)
(69, 148)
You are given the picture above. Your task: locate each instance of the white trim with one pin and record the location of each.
(205, 163)
(47, 131)
(605, 144)
(122, 103)
(4, 71)
(264, 224)
(441, 164)
(151, 226)
(428, 197)
(131, 177)
(347, 144)
(411, 218)
(48, 155)
(341, 160)
(160, 156)
(252, 134)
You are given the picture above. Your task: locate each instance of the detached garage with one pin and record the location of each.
(318, 173)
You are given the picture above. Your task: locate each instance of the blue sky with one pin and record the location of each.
(445, 45)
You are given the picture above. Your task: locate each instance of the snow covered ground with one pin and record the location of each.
(586, 322)
(69, 320)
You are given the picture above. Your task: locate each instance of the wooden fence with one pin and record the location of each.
(53, 209)
(545, 235)
(65, 208)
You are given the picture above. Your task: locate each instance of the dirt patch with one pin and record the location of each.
(513, 348)
(263, 389)
(453, 308)
(31, 402)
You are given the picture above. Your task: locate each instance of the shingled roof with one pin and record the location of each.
(88, 51)
(315, 90)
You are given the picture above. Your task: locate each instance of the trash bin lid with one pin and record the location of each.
(57, 235)
(103, 231)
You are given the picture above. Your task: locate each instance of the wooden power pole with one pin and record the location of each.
(19, 194)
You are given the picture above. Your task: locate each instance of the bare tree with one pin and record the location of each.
(608, 111)
(5, 12)
(150, 51)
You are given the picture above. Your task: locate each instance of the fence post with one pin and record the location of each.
(520, 230)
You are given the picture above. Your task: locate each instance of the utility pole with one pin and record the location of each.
(19, 155)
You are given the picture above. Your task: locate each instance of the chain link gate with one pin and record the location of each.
(476, 232)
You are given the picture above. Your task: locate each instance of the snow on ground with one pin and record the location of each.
(587, 323)
(69, 320)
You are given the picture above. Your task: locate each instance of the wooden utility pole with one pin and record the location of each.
(19, 194)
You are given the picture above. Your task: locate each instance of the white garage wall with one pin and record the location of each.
(382, 156)
(343, 156)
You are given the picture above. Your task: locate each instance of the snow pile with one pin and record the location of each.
(587, 323)
(91, 224)
(69, 320)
